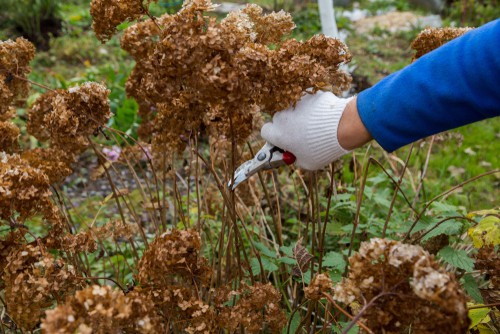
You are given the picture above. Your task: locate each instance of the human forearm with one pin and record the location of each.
(456, 84)
(351, 132)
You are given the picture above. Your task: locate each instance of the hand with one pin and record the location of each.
(309, 130)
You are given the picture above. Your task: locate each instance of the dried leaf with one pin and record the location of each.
(302, 256)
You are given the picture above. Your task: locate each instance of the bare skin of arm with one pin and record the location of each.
(351, 132)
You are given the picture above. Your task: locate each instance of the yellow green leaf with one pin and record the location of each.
(473, 214)
(483, 329)
(487, 232)
(478, 316)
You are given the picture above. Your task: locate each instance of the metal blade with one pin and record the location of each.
(240, 174)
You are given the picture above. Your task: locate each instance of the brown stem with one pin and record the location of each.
(420, 214)
(360, 324)
(32, 82)
(483, 306)
(105, 278)
(394, 195)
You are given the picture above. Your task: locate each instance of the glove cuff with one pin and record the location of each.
(322, 129)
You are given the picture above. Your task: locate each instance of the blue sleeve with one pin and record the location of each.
(454, 85)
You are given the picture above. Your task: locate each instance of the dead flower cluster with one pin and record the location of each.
(107, 15)
(321, 283)
(69, 117)
(409, 287)
(195, 73)
(14, 67)
(15, 57)
(174, 253)
(488, 263)
(101, 309)
(257, 308)
(34, 280)
(432, 38)
(24, 190)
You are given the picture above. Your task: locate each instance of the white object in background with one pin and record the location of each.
(327, 17)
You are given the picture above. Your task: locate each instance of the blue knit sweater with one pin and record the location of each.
(454, 85)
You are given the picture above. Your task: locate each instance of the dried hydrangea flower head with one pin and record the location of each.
(9, 242)
(173, 253)
(321, 283)
(197, 73)
(432, 38)
(53, 162)
(15, 57)
(418, 292)
(258, 306)
(102, 310)
(488, 264)
(9, 133)
(107, 15)
(34, 280)
(24, 190)
(69, 117)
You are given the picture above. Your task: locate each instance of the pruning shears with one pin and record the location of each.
(268, 157)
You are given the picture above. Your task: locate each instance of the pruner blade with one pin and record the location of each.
(268, 157)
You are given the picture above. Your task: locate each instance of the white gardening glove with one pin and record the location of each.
(309, 130)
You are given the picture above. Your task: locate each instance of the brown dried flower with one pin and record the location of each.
(102, 310)
(53, 162)
(173, 253)
(321, 283)
(410, 288)
(9, 133)
(107, 15)
(197, 73)
(257, 307)
(69, 116)
(8, 243)
(7, 114)
(432, 38)
(34, 280)
(15, 57)
(488, 263)
(23, 188)
(6, 98)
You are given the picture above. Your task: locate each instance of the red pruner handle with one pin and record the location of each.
(289, 158)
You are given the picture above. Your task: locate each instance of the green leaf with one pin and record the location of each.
(269, 265)
(294, 324)
(470, 285)
(449, 227)
(266, 264)
(457, 258)
(353, 330)
(334, 260)
(255, 266)
(264, 250)
(487, 232)
(478, 315)
(126, 115)
(287, 250)
(439, 207)
(287, 260)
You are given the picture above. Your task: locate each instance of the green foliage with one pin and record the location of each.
(293, 323)
(30, 17)
(457, 258)
(307, 20)
(470, 285)
(479, 315)
(473, 13)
